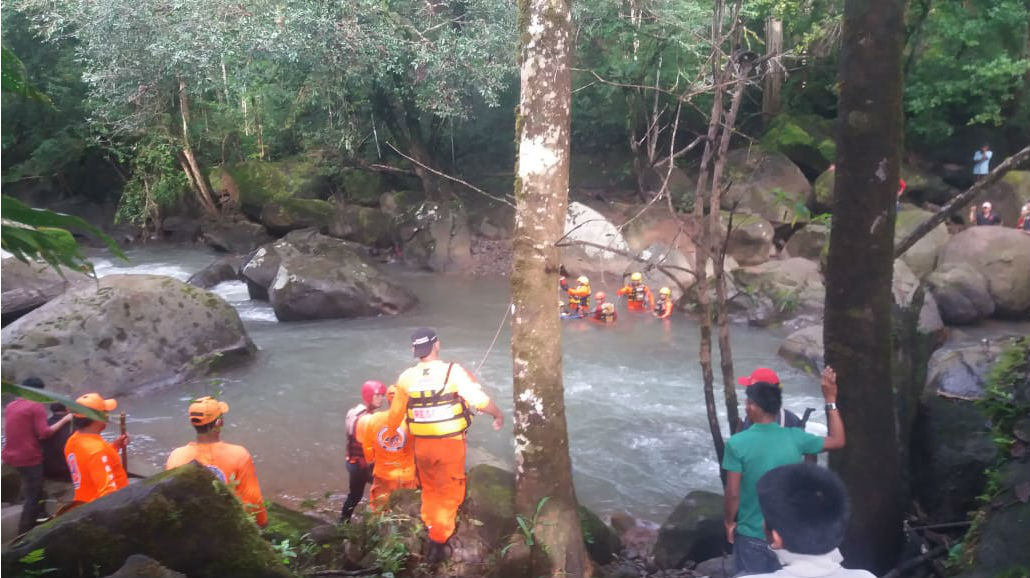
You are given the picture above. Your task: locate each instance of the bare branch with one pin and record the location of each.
(455, 179)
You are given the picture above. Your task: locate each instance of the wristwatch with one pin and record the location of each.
(831, 406)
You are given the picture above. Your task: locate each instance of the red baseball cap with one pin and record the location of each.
(762, 374)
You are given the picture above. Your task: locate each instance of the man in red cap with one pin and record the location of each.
(229, 463)
(358, 469)
(753, 452)
(786, 418)
(94, 464)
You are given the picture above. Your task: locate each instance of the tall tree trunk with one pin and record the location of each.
(542, 464)
(773, 83)
(857, 327)
(202, 191)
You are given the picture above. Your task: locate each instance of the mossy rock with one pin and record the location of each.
(260, 182)
(601, 541)
(285, 215)
(360, 187)
(184, 518)
(806, 139)
(821, 200)
(287, 524)
(693, 531)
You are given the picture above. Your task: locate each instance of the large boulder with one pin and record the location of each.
(961, 372)
(180, 229)
(234, 236)
(1002, 256)
(131, 331)
(804, 349)
(495, 221)
(320, 277)
(693, 531)
(923, 186)
(285, 215)
(909, 293)
(961, 294)
(921, 257)
(183, 518)
(257, 183)
(997, 546)
(365, 225)
(441, 241)
(821, 198)
(28, 286)
(794, 286)
(677, 183)
(224, 269)
(588, 235)
(810, 242)
(259, 271)
(750, 239)
(806, 139)
(759, 179)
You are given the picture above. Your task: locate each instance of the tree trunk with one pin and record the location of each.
(542, 464)
(202, 191)
(773, 83)
(857, 326)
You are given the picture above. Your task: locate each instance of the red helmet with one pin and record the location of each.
(370, 388)
(600, 295)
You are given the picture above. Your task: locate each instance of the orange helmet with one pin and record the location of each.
(600, 295)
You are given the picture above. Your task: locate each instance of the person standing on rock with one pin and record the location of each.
(94, 464)
(663, 306)
(437, 398)
(638, 295)
(982, 162)
(359, 470)
(751, 453)
(25, 426)
(986, 215)
(392, 455)
(806, 513)
(230, 463)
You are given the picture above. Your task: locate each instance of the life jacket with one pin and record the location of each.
(637, 293)
(355, 451)
(438, 413)
(607, 312)
(580, 296)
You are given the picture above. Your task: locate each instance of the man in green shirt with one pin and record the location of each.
(758, 449)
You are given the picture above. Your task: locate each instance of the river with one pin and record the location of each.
(637, 428)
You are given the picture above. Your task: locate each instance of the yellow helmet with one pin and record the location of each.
(636, 277)
(561, 303)
(665, 291)
(583, 280)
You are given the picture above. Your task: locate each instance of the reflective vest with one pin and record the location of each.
(637, 294)
(437, 413)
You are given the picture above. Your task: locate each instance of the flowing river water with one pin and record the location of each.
(638, 433)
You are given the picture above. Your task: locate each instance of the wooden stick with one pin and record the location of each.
(125, 448)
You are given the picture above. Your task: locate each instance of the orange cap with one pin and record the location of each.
(390, 392)
(95, 401)
(206, 410)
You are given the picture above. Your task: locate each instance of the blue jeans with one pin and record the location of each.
(753, 556)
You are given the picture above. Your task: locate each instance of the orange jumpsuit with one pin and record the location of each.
(232, 465)
(95, 466)
(392, 456)
(637, 294)
(436, 397)
(663, 309)
(579, 299)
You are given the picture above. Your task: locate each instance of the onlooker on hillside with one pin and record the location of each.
(753, 452)
(985, 216)
(982, 162)
(806, 512)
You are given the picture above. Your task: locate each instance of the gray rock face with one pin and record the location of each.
(324, 278)
(921, 257)
(442, 241)
(961, 294)
(1002, 256)
(239, 237)
(904, 286)
(694, 531)
(364, 225)
(961, 373)
(180, 229)
(755, 175)
(26, 287)
(134, 331)
(809, 242)
(583, 224)
(804, 349)
(751, 240)
(224, 269)
(182, 518)
(794, 286)
(259, 271)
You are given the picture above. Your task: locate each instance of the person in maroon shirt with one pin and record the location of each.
(25, 424)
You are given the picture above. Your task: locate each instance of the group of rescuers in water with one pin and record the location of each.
(419, 442)
(638, 298)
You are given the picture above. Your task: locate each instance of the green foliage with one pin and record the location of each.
(1000, 403)
(386, 537)
(44, 396)
(157, 184)
(35, 557)
(14, 78)
(29, 233)
(799, 211)
(528, 526)
(284, 551)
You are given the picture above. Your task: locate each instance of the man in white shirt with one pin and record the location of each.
(982, 162)
(806, 513)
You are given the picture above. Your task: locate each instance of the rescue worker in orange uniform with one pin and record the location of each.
(230, 463)
(358, 469)
(663, 307)
(94, 464)
(579, 296)
(392, 455)
(638, 295)
(604, 311)
(438, 399)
